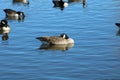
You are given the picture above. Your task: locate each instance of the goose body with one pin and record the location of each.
(62, 39)
(13, 13)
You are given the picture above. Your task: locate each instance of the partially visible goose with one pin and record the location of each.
(60, 3)
(117, 24)
(13, 13)
(21, 1)
(4, 26)
(52, 40)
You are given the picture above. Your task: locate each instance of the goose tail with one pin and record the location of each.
(117, 24)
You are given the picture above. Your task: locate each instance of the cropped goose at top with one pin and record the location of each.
(21, 1)
(52, 40)
(60, 3)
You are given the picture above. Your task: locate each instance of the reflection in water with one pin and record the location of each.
(4, 35)
(61, 8)
(118, 33)
(20, 19)
(62, 47)
(83, 2)
(21, 1)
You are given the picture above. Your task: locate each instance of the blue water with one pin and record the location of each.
(94, 56)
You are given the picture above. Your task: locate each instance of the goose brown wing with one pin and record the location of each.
(51, 40)
(43, 38)
(55, 40)
(9, 11)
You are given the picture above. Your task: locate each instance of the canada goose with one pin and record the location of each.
(52, 40)
(13, 13)
(4, 26)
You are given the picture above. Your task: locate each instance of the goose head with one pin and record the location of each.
(4, 23)
(21, 14)
(65, 36)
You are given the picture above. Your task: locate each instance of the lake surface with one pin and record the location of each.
(94, 56)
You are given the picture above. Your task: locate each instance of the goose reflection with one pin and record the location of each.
(21, 1)
(4, 35)
(19, 19)
(83, 2)
(61, 47)
(118, 33)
